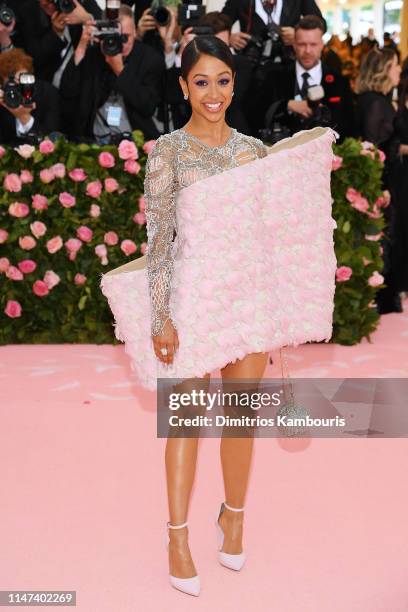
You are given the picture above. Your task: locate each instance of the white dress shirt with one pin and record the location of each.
(276, 13)
(316, 74)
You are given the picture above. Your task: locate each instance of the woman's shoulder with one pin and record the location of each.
(253, 142)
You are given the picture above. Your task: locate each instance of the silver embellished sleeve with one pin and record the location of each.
(159, 192)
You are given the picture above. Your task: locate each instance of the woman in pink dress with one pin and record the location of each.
(251, 269)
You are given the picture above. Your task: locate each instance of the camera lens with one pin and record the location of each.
(111, 44)
(65, 6)
(12, 95)
(6, 15)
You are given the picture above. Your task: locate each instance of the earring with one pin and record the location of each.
(232, 93)
(185, 96)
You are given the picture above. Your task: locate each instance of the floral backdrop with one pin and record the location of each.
(71, 212)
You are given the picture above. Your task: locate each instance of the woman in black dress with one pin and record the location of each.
(400, 226)
(379, 75)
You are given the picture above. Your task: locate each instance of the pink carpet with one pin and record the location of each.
(83, 504)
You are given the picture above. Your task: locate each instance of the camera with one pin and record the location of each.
(321, 113)
(16, 94)
(160, 12)
(64, 6)
(189, 14)
(261, 49)
(109, 33)
(6, 15)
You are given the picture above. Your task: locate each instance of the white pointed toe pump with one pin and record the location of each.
(234, 562)
(191, 586)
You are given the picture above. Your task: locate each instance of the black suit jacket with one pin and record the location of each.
(292, 11)
(338, 98)
(84, 88)
(46, 115)
(41, 42)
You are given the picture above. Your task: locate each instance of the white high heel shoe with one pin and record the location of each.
(231, 561)
(191, 586)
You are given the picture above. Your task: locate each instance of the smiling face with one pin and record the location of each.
(209, 87)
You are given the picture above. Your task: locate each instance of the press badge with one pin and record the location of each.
(114, 115)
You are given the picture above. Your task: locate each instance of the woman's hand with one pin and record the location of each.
(168, 339)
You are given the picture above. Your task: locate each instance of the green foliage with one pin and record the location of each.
(355, 315)
(69, 312)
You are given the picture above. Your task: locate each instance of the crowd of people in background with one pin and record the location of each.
(287, 79)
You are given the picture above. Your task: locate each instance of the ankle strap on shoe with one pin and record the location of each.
(233, 509)
(177, 526)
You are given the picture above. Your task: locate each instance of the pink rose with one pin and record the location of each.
(27, 266)
(101, 251)
(40, 202)
(142, 204)
(66, 199)
(73, 245)
(18, 209)
(373, 237)
(382, 157)
(12, 182)
(95, 210)
(148, 146)
(128, 247)
(54, 244)
(376, 213)
(139, 218)
(337, 162)
(361, 204)
(4, 264)
(143, 248)
(27, 243)
(84, 233)
(106, 160)
(128, 150)
(79, 279)
(14, 273)
(111, 238)
(375, 279)
(3, 235)
(352, 194)
(47, 175)
(38, 228)
(51, 279)
(343, 273)
(59, 170)
(78, 175)
(46, 147)
(40, 288)
(26, 177)
(111, 185)
(2, 151)
(25, 151)
(131, 166)
(94, 189)
(13, 309)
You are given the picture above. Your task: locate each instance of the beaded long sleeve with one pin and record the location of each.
(159, 190)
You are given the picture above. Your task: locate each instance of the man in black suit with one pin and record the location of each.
(40, 118)
(253, 18)
(299, 101)
(109, 95)
(50, 37)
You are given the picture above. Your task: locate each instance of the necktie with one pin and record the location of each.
(305, 85)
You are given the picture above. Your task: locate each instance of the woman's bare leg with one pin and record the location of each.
(236, 456)
(180, 460)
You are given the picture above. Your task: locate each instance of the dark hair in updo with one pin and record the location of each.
(207, 44)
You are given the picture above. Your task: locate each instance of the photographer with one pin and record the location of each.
(111, 94)
(253, 19)
(310, 93)
(50, 35)
(19, 122)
